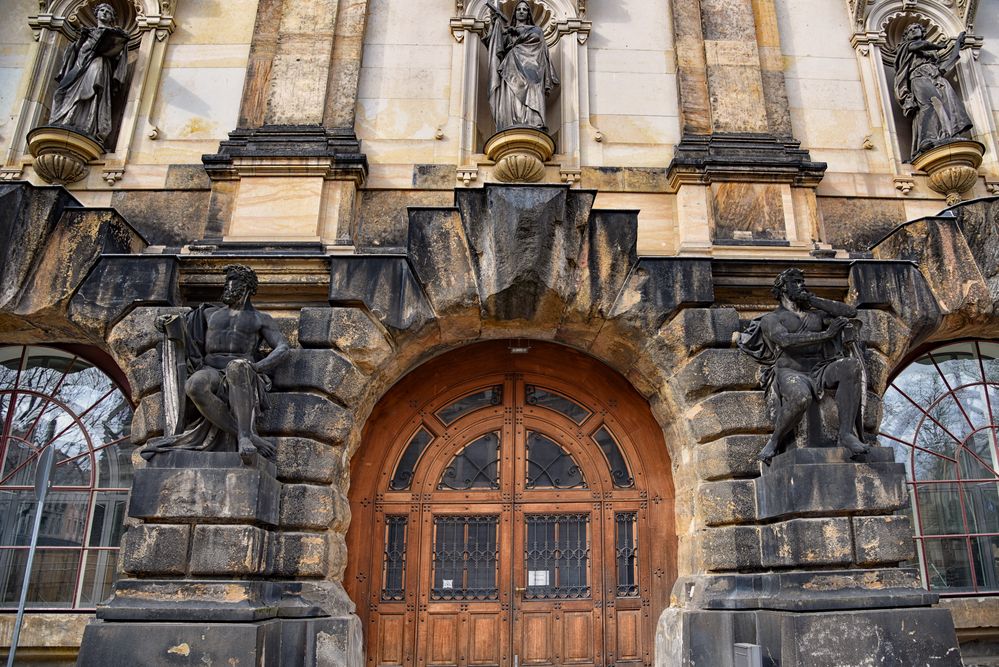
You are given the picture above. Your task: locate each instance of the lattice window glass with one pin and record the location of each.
(546, 398)
(557, 556)
(465, 558)
(626, 554)
(402, 478)
(941, 415)
(483, 398)
(50, 398)
(394, 562)
(549, 466)
(476, 466)
(615, 459)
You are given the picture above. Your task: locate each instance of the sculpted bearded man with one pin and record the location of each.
(228, 380)
(805, 352)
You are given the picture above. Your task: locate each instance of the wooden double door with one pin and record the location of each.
(512, 524)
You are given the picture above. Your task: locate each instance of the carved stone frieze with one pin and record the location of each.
(963, 10)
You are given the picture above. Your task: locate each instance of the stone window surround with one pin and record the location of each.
(869, 37)
(53, 27)
(563, 20)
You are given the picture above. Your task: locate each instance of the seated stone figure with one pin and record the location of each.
(212, 358)
(808, 345)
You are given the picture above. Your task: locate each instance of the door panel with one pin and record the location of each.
(508, 521)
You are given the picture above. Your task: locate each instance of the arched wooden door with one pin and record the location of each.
(511, 509)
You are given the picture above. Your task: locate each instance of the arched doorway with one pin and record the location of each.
(511, 509)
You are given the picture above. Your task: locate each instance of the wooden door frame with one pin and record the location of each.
(564, 369)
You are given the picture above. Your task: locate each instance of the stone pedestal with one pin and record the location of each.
(952, 168)
(520, 154)
(814, 574)
(62, 155)
(201, 582)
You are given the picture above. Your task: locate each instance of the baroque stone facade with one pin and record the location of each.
(338, 149)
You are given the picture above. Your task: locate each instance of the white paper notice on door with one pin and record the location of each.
(537, 577)
(447, 583)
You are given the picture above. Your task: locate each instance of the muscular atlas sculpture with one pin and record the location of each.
(212, 359)
(521, 74)
(93, 70)
(808, 346)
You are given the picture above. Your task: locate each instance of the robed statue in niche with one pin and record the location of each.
(923, 91)
(216, 376)
(521, 74)
(808, 346)
(93, 71)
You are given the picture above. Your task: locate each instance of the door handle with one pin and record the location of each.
(519, 589)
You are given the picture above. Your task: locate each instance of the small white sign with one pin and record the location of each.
(537, 577)
(448, 583)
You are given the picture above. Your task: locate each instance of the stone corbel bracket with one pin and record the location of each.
(578, 27)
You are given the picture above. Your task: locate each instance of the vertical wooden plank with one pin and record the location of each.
(629, 635)
(537, 642)
(442, 639)
(578, 637)
(391, 639)
(484, 638)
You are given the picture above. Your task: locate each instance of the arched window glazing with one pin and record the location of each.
(941, 414)
(50, 398)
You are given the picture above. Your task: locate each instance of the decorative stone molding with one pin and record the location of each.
(962, 10)
(904, 184)
(952, 168)
(704, 159)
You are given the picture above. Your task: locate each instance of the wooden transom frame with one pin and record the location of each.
(419, 630)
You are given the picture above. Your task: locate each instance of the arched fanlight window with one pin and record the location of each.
(52, 398)
(941, 414)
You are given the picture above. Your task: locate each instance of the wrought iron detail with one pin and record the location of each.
(626, 554)
(476, 466)
(402, 478)
(557, 556)
(394, 562)
(620, 473)
(549, 466)
(546, 398)
(469, 403)
(465, 558)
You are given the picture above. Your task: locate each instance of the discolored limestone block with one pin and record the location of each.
(323, 372)
(731, 456)
(715, 370)
(822, 481)
(349, 330)
(728, 502)
(880, 540)
(156, 549)
(147, 420)
(305, 415)
(731, 548)
(306, 506)
(299, 554)
(304, 460)
(231, 551)
(728, 413)
(807, 543)
(385, 285)
(898, 288)
(205, 486)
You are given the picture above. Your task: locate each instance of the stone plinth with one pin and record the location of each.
(62, 155)
(952, 168)
(203, 575)
(520, 154)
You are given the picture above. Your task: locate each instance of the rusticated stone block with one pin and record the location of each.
(732, 456)
(300, 554)
(147, 420)
(882, 539)
(732, 501)
(304, 460)
(727, 413)
(307, 415)
(228, 551)
(322, 371)
(227, 494)
(338, 556)
(156, 549)
(306, 506)
(349, 330)
(145, 375)
(731, 548)
(804, 542)
(715, 370)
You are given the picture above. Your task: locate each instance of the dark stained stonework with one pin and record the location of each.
(720, 157)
